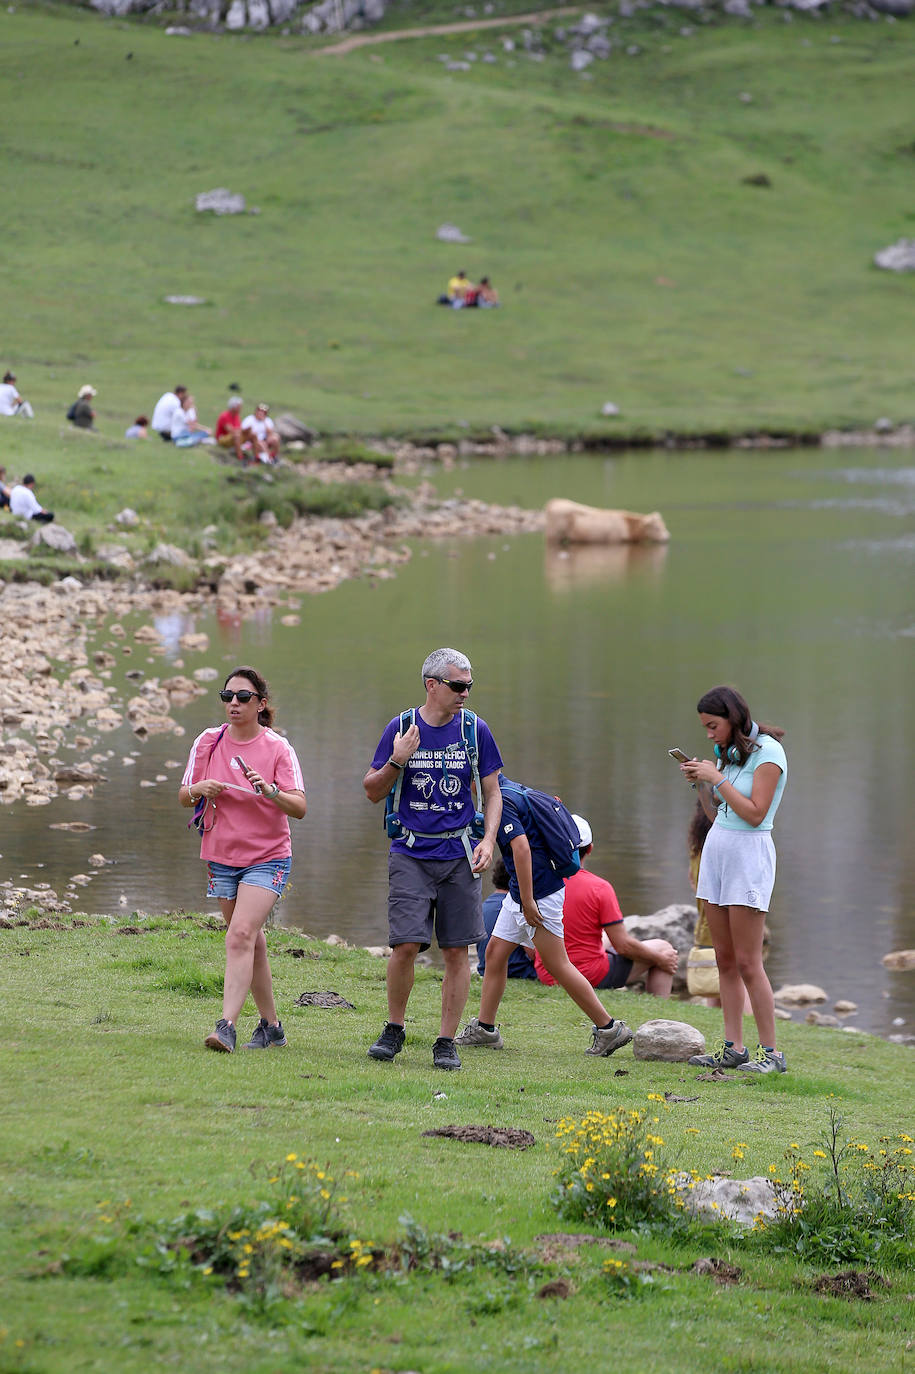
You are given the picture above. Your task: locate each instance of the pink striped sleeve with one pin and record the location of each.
(288, 769)
(206, 738)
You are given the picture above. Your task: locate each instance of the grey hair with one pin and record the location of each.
(437, 663)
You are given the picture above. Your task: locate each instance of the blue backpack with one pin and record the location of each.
(394, 826)
(552, 821)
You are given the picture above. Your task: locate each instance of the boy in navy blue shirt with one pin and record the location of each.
(531, 915)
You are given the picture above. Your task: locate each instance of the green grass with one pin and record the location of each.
(109, 1096)
(582, 198)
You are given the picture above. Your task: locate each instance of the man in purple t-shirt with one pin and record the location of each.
(434, 867)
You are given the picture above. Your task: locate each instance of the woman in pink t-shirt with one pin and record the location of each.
(251, 781)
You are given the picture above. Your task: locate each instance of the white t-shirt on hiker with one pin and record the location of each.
(9, 397)
(24, 502)
(164, 413)
(259, 427)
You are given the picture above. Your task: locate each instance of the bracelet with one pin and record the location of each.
(394, 764)
(716, 790)
(272, 795)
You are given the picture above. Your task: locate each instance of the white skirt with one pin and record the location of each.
(737, 868)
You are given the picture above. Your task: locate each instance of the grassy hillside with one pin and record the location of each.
(634, 263)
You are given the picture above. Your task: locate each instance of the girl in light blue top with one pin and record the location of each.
(741, 789)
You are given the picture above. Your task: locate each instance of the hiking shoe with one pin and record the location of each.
(608, 1041)
(765, 1061)
(222, 1038)
(267, 1037)
(389, 1042)
(723, 1056)
(474, 1034)
(444, 1055)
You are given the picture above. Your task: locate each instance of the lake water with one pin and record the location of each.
(789, 574)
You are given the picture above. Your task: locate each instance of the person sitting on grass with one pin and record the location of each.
(165, 410)
(25, 504)
(456, 291)
(11, 403)
(187, 431)
(487, 296)
(259, 431)
(531, 915)
(596, 938)
(139, 429)
(4, 490)
(228, 430)
(521, 960)
(81, 413)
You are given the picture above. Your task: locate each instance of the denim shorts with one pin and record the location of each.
(223, 879)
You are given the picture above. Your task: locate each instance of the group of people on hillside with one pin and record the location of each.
(461, 294)
(252, 439)
(448, 804)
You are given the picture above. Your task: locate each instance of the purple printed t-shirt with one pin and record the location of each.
(435, 794)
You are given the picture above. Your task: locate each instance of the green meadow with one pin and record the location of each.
(124, 1140)
(634, 261)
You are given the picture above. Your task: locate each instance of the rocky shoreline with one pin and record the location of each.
(60, 690)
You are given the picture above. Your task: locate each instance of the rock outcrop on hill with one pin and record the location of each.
(587, 39)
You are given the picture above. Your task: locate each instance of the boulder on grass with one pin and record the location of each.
(672, 1041)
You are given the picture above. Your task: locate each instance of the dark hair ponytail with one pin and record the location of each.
(265, 714)
(727, 703)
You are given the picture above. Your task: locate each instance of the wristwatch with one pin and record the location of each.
(274, 792)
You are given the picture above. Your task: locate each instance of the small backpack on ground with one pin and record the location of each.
(394, 826)
(552, 821)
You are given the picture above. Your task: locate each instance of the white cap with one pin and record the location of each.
(584, 830)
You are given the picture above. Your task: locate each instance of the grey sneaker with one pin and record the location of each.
(765, 1061)
(723, 1056)
(474, 1034)
(604, 1042)
(389, 1042)
(267, 1037)
(222, 1038)
(444, 1055)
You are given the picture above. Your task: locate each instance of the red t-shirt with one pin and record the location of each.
(590, 904)
(248, 828)
(228, 420)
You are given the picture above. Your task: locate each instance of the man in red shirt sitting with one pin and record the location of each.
(228, 429)
(596, 939)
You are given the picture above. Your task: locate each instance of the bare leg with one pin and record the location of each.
(495, 976)
(658, 982)
(747, 937)
(729, 980)
(261, 977)
(553, 953)
(455, 987)
(246, 953)
(400, 976)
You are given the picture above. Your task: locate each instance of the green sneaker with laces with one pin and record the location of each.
(766, 1060)
(723, 1056)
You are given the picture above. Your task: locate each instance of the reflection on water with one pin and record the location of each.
(588, 668)
(567, 569)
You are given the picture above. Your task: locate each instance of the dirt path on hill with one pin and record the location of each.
(362, 40)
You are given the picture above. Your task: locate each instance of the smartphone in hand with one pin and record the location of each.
(246, 770)
(679, 755)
